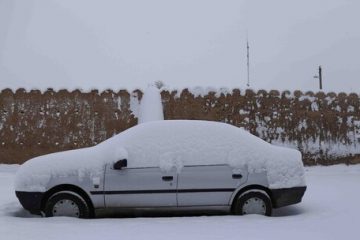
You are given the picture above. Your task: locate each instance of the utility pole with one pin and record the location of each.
(319, 76)
(248, 61)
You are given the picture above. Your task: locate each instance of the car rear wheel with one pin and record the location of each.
(66, 204)
(253, 202)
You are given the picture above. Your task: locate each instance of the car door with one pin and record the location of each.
(140, 187)
(210, 185)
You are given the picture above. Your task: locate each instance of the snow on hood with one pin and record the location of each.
(170, 144)
(35, 174)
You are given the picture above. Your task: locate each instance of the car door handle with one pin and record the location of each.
(237, 176)
(167, 178)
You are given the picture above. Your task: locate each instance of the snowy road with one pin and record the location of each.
(330, 210)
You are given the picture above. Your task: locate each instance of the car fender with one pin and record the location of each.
(254, 181)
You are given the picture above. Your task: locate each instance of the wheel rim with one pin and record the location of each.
(254, 205)
(66, 207)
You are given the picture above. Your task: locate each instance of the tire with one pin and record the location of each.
(67, 204)
(253, 202)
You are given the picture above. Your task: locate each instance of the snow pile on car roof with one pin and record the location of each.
(168, 145)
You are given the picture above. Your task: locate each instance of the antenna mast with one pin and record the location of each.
(248, 60)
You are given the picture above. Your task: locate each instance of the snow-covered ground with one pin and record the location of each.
(330, 210)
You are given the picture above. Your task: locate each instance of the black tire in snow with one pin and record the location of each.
(78, 202)
(253, 196)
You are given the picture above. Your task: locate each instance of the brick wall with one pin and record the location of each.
(324, 126)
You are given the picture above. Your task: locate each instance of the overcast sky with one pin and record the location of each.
(130, 43)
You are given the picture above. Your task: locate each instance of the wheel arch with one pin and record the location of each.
(71, 188)
(247, 188)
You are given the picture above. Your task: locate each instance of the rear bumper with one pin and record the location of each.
(31, 201)
(287, 196)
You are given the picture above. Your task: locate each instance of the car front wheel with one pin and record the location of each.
(253, 202)
(66, 204)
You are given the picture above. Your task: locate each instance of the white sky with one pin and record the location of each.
(130, 43)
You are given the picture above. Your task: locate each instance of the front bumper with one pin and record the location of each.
(287, 196)
(31, 201)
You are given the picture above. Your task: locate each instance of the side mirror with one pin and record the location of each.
(120, 164)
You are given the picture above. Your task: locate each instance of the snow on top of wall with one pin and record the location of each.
(170, 144)
(305, 97)
(196, 91)
(202, 91)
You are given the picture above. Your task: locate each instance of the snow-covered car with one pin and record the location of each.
(165, 164)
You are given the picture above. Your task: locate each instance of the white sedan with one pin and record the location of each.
(165, 164)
